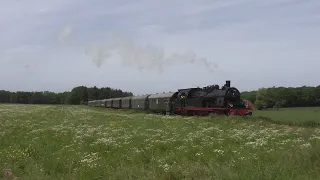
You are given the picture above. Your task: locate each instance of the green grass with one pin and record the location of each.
(296, 116)
(78, 142)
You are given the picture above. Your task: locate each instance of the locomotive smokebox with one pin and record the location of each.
(227, 84)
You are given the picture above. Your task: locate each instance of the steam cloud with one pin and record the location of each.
(131, 54)
(65, 33)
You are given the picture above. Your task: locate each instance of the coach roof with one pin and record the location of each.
(125, 98)
(162, 95)
(117, 98)
(140, 97)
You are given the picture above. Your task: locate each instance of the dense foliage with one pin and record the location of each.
(77, 95)
(284, 97)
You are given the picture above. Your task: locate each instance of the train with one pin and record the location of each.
(212, 99)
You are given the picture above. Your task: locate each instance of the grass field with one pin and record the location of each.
(298, 116)
(78, 142)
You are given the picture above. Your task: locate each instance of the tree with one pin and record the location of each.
(260, 104)
(285, 97)
(251, 96)
(78, 95)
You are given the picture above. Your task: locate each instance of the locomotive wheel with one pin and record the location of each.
(188, 113)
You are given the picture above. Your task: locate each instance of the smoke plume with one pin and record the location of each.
(98, 53)
(132, 54)
(143, 57)
(65, 33)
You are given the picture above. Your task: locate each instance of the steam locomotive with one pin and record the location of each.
(191, 101)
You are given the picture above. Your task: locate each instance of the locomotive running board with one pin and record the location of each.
(189, 111)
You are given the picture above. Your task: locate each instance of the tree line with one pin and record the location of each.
(77, 95)
(305, 96)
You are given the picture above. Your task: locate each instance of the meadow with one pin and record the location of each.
(305, 116)
(79, 142)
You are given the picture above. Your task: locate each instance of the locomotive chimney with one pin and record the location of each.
(227, 83)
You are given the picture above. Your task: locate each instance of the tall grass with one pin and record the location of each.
(77, 142)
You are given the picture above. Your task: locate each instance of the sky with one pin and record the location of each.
(152, 46)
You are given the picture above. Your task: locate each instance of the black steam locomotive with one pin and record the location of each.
(192, 101)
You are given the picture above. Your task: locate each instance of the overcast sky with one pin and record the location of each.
(149, 46)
